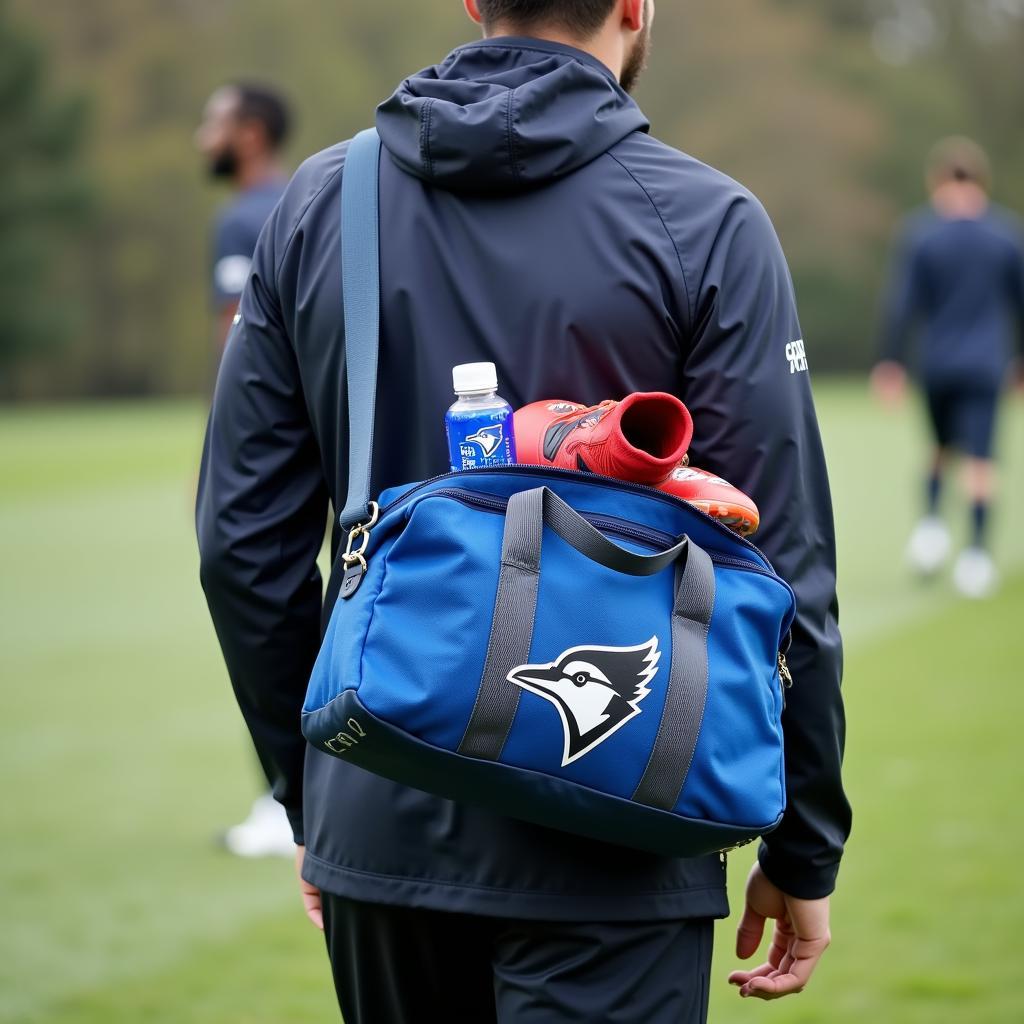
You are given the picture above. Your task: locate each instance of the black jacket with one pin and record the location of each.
(529, 219)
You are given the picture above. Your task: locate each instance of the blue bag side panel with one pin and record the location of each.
(337, 665)
(427, 641)
(737, 771)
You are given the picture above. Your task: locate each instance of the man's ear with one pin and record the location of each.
(633, 12)
(473, 10)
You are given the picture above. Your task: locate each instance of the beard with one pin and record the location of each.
(636, 60)
(223, 165)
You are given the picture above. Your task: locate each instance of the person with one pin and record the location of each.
(240, 137)
(243, 129)
(959, 274)
(530, 220)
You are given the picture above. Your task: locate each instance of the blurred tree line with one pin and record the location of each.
(43, 192)
(825, 108)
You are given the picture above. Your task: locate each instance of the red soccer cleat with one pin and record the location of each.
(640, 439)
(715, 496)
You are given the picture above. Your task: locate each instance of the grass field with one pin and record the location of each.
(122, 753)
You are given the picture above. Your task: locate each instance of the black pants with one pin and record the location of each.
(394, 965)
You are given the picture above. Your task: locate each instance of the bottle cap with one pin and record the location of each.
(474, 377)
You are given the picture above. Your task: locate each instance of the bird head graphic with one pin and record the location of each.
(595, 690)
(488, 438)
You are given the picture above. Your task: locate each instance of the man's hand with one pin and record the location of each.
(889, 383)
(310, 893)
(801, 936)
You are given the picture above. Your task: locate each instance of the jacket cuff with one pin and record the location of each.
(295, 820)
(800, 878)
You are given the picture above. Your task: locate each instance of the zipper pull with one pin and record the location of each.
(784, 673)
(785, 677)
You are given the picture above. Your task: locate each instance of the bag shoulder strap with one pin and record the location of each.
(360, 288)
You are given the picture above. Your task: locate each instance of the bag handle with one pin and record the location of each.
(544, 505)
(360, 289)
(512, 626)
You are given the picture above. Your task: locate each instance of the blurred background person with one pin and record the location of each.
(958, 276)
(243, 129)
(244, 126)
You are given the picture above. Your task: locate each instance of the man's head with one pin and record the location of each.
(242, 123)
(616, 31)
(958, 161)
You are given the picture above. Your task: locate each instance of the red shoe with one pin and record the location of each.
(716, 497)
(640, 439)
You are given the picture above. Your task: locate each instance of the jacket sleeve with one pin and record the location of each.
(902, 300)
(261, 513)
(1016, 287)
(747, 386)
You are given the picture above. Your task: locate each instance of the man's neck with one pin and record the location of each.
(257, 172)
(607, 46)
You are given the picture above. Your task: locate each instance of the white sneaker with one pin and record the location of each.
(929, 546)
(975, 573)
(265, 833)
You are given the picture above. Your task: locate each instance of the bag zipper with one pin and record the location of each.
(609, 524)
(589, 478)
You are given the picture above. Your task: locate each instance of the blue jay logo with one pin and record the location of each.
(595, 690)
(489, 438)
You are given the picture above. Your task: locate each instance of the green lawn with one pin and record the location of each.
(123, 754)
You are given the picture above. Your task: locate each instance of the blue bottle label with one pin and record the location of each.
(480, 438)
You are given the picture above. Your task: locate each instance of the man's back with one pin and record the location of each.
(526, 219)
(963, 278)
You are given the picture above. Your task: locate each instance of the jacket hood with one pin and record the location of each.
(506, 114)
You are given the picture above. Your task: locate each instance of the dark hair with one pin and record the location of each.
(583, 17)
(261, 103)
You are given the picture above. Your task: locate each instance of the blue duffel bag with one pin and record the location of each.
(590, 655)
